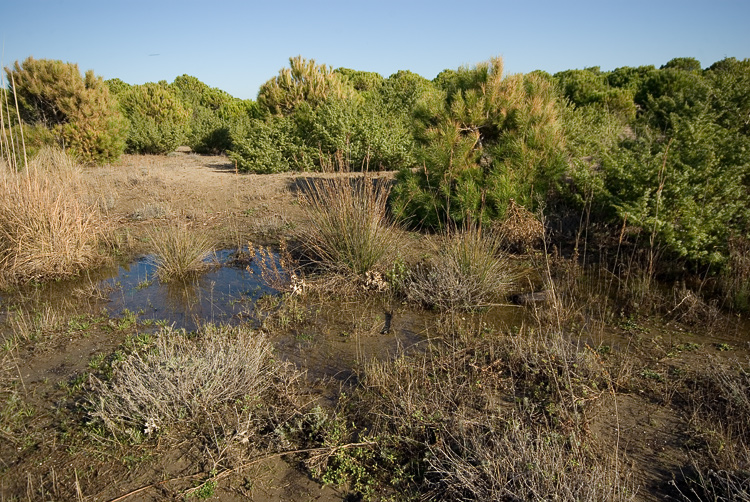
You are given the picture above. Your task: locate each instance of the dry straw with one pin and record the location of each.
(47, 229)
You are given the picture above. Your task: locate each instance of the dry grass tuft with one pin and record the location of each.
(47, 230)
(350, 231)
(468, 271)
(180, 252)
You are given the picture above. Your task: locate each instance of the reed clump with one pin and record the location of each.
(350, 231)
(180, 252)
(48, 227)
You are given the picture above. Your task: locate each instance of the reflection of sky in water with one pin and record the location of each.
(221, 295)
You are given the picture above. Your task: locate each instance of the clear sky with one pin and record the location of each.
(238, 45)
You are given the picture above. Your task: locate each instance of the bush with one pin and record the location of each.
(78, 111)
(303, 82)
(215, 114)
(468, 271)
(360, 131)
(492, 140)
(185, 380)
(271, 146)
(158, 121)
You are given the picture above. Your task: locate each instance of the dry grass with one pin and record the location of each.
(184, 380)
(520, 231)
(349, 231)
(484, 417)
(468, 270)
(180, 251)
(47, 229)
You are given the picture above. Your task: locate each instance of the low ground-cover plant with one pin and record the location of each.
(482, 417)
(186, 379)
(48, 229)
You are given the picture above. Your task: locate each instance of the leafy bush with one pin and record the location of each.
(360, 131)
(158, 120)
(78, 111)
(215, 114)
(491, 141)
(271, 146)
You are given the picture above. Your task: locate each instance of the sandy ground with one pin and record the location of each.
(204, 190)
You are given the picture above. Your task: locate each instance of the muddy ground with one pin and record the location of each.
(45, 456)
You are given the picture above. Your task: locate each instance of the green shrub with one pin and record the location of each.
(215, 114)
(271, 146)
(360, 131)
(158, 121)
(494, 139)
(303, 82)
(78, 111)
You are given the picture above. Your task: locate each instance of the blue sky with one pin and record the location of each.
(236, 46)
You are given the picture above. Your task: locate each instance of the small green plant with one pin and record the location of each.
(652, 375)
(204, 490)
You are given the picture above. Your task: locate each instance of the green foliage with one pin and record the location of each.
(686, 189)
(362, 81)
(158, 120)
(684, 64)
(303, 82)
(215, 115)
(117, 86)
(730, 80)
(312, 114)
(587, 87)
(494, 139)
(359, 131)
(78, 111)
(271, 146)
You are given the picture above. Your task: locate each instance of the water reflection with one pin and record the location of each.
(224, 295)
